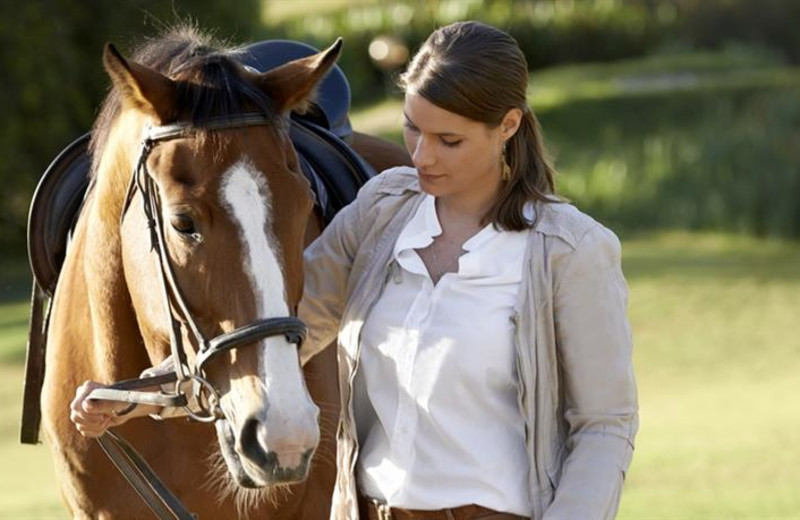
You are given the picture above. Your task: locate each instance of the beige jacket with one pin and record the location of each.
(577, 391)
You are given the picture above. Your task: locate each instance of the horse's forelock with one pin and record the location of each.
(209, 83)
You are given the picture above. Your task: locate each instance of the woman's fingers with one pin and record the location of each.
(90, 425)
(92, 417)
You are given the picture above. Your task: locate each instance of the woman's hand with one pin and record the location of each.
(92, 417)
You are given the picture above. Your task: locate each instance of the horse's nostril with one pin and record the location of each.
(249, 445)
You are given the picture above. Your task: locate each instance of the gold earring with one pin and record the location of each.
(505, 169)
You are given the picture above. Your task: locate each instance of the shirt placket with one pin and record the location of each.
(407, 416)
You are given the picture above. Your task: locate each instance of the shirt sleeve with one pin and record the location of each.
(594, 345)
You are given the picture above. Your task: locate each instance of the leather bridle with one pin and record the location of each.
(206, 396)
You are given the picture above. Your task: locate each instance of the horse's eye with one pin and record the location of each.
(182, 223)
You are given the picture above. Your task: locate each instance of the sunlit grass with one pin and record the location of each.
(717, 338)
(659, 74)
(663, 74)
(737, 302)
(382, 118)
(27, 484)
(14, 327)
(28, 488)
(723, 447)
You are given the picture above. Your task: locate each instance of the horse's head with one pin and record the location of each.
(234, 208)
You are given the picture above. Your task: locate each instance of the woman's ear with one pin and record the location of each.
(510, 123)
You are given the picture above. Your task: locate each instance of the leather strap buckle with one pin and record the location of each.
(384, 511)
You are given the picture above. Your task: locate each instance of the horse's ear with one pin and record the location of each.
(292, 85)
(141, 86)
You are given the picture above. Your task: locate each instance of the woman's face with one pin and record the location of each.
(457, 158)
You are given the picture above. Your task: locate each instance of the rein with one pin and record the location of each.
(206, 397)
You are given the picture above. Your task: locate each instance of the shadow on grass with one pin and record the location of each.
(13, 357)
(21, 321)
(15, 287)
(695, 258)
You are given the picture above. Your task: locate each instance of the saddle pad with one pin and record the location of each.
(332, 99)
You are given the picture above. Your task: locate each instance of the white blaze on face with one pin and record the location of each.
(291, 417)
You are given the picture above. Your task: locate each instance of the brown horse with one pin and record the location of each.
(237, 214)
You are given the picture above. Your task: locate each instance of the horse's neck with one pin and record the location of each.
(117, 347)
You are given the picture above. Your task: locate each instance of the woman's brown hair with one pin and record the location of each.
(479, 72)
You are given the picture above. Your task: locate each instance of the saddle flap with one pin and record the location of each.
(54, 209)
(335, 170)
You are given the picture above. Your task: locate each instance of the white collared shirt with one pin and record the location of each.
(436, 397)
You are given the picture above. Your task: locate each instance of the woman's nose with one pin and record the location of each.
(423, 154)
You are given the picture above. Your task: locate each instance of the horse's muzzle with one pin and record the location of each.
(281, 462)
(254, 463)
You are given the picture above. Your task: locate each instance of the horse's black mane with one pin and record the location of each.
(208, 82)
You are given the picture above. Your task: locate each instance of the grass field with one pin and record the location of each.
(717, 340)
(27, 485)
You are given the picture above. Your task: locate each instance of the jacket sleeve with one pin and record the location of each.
(328, 262)
(600, 409)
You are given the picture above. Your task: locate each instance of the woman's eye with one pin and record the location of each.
(451, 144)
(182, 223)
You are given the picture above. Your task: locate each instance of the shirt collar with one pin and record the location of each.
(421, 229)
(424, 226)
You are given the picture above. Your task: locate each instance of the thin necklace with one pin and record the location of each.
(439, 272)
(435, 262)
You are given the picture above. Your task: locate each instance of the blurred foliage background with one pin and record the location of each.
(675, 122)
(711, 139)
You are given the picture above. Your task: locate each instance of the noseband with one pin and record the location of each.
(163, 503)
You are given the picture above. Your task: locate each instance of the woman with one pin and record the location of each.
(484, 353)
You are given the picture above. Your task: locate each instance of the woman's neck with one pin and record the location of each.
(466, 208)
(459, 218)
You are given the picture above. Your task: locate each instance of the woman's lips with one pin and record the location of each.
(429, 176)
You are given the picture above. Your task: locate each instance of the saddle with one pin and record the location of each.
(334, 170)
